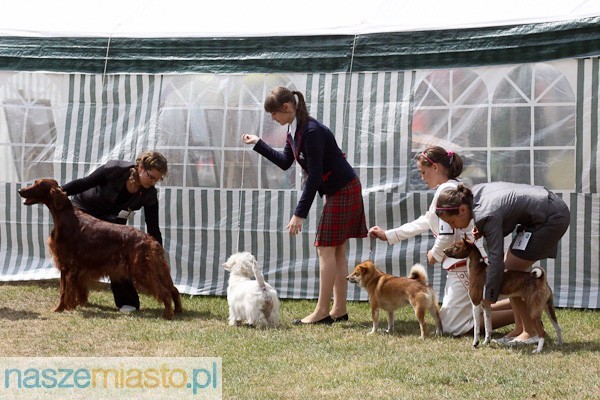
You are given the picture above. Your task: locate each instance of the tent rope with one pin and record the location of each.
(106, 59)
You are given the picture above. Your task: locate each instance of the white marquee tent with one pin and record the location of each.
(512, 86)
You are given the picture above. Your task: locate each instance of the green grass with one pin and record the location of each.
(308, 362)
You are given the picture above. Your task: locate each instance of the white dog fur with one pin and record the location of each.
(251, 301)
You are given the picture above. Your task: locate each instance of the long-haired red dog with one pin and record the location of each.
(86, 249)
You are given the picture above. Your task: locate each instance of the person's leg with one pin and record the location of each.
(502, 314)
(125, 294)
(327, 277)
(340, 285)
(525, 327)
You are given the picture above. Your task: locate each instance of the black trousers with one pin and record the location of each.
(123, 291)
(125, 294)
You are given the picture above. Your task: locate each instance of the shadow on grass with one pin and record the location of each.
(401, 328)
(93, 310)
(16, 315)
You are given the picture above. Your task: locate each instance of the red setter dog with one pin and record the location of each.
(86, 249)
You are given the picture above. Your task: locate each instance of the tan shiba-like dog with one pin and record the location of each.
(389, 293)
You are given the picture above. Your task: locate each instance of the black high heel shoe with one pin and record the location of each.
(323, 321)
(340, 318)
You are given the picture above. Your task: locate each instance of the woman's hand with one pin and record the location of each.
(295, 225)
(430, 258)
(378, 233)
(476, 233)
(250, 139)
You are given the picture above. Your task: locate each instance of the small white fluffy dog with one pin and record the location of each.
(252, 301)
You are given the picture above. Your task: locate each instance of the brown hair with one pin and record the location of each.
(450, 199)
(281, 95)
(438, 155)
(153, 160)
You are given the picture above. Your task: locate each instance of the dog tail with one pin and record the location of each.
(260, 279)
(537, 272)
(269, 303)
(419, 273)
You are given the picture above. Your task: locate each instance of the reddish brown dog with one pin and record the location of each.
(86, 249)
(389, 293)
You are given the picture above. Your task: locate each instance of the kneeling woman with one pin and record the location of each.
(538, 215)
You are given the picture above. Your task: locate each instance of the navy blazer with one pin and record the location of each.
(317, 152)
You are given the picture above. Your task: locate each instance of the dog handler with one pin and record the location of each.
(111, 193)
(313, 146)
(539, 217)
(440, 169)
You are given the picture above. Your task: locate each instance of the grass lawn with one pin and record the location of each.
(308, 362)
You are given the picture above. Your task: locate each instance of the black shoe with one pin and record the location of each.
(340, 318)
(324, 321)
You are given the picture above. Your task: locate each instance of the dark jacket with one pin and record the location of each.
(97, 193)
(315, 149)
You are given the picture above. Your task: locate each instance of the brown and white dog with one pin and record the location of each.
(389, 293)
(531, 286)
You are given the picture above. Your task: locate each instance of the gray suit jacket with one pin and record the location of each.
(498, 208)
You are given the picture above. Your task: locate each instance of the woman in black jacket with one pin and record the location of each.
(112, 193)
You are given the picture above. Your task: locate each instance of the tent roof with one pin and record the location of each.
(234, 18)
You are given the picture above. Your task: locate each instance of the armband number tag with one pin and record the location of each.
(444, 228)
(125, 214)
(521, 240)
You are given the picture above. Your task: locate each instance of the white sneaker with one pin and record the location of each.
(503, 340)
(532, 340)
(127, 309)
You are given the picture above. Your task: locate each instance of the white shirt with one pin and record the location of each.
(430, 222)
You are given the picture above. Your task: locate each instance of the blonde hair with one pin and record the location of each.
(153, 160)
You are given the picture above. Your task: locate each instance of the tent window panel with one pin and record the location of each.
(38, 162)
(431, 122)
(203, 168)
(554, 126)
(554, 169)
(239, 122)
(469, 127)
(511, 126)
(172, 124)
(206, 127)
(32, 133)
(510, 166)
(11, 163)
(468, 88)
(237, 164)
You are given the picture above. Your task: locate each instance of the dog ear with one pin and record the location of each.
(59, 198)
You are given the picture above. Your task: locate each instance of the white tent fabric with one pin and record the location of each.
(176, 18)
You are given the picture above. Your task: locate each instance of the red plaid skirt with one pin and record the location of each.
(343, 216)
